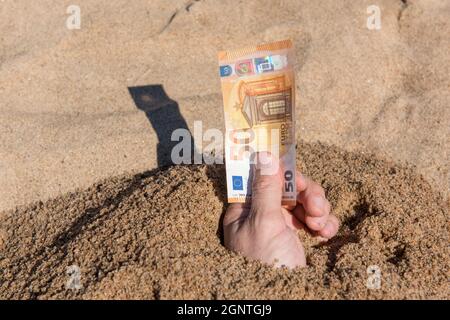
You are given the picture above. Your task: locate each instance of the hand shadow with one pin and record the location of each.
(164, 116)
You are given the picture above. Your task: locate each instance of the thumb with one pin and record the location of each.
(266, 185)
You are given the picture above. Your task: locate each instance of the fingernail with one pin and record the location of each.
(321, 224)
(327, 229)
(266, 163)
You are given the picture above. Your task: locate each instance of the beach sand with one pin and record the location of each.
(67, 118)
(157, 235)
(82, 106)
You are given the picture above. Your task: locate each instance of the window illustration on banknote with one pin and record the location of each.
(265, 101)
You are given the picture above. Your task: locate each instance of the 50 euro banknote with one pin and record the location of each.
(258, 87)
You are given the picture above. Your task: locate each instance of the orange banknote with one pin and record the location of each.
(258, 87)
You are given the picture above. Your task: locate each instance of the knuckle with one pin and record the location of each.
(263, 183)
(317, 190)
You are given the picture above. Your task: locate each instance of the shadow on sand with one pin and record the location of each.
(164, 115)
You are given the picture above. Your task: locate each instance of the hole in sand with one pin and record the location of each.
(335, 245)
(361, 211)
(399, 255)
(358, 211)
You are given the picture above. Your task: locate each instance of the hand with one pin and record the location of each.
(265, 230)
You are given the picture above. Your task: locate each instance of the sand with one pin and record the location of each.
(156, 235)
(67, 118)
(79, 106)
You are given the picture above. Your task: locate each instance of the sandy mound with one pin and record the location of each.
(156, 235)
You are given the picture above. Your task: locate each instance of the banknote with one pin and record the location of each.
(258, 87)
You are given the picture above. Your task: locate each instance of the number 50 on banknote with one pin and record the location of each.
(258, 87)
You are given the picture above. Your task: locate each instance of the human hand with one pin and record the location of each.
(265, 230)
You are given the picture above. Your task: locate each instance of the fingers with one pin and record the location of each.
(331, 227)
(312, 196)
(296, 221)
(266, 187)
(314, 208)
(235, 214)
(301, 181)
(313, 223)
(235, 211)
(292, 221)
(327, 227)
